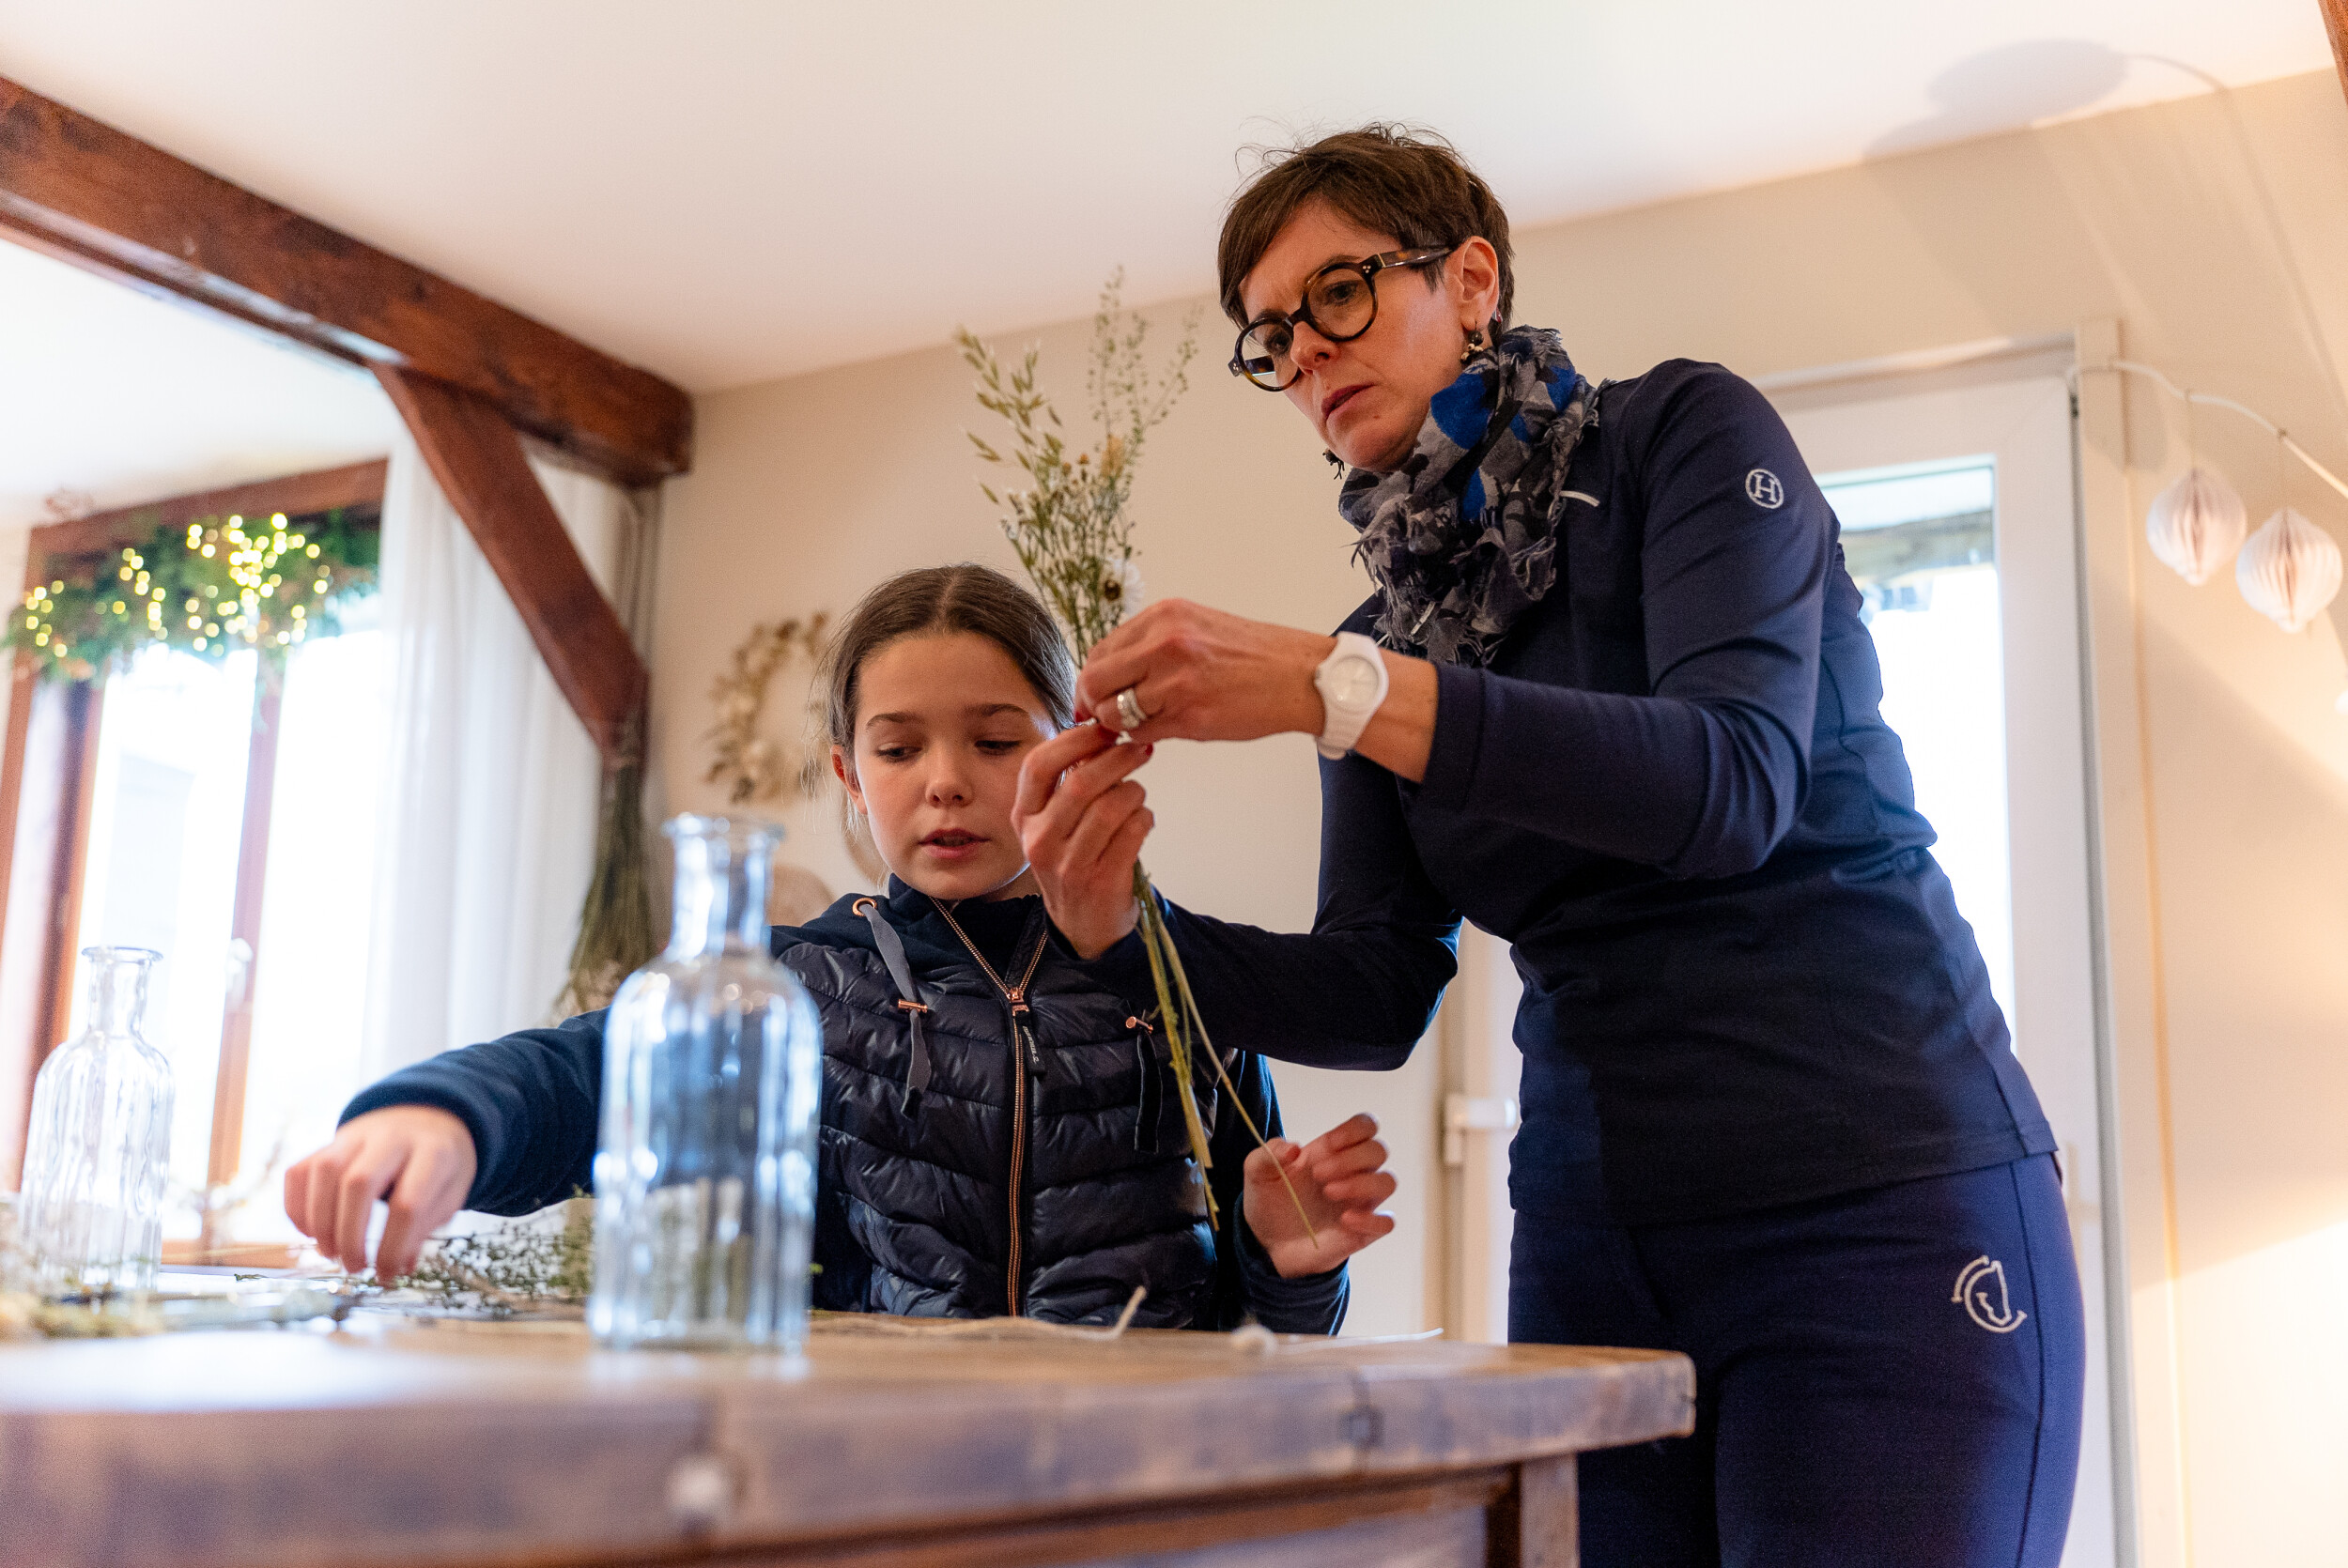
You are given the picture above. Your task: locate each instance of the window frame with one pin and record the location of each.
(48, 765)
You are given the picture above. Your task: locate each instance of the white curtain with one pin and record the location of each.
(487, 822)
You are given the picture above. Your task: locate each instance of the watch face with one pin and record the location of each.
(1353, 683)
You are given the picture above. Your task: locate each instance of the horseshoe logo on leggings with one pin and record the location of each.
(1982, 1289)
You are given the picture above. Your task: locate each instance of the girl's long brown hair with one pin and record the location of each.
(965, 597)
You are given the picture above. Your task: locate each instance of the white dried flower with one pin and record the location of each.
(1120, 586)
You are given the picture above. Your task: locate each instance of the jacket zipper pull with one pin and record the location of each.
(1023, 1036)
(1151, 1104)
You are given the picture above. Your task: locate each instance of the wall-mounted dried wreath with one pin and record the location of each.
(750, 765)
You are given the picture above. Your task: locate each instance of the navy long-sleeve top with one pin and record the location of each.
(1746, 981)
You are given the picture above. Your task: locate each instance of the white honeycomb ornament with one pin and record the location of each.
(2289, 571)
(2195, 525)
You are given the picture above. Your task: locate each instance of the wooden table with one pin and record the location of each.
(416, 1444)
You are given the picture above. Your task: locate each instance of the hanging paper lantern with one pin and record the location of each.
(2195, 525)
(2289, 571)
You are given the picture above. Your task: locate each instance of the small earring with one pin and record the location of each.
(1474, 346)
(1333, 459)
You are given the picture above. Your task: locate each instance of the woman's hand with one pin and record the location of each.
(1341, 1178)
(1206, 675)
(1081, 821)
(420, 1155)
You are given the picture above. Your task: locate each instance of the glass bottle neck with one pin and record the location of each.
(117, 988)
(720, 899)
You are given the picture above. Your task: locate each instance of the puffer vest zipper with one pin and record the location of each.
(1026, 1065)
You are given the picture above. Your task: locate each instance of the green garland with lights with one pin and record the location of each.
(210, 589)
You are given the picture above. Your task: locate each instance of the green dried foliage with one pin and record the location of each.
(615, 928)
(1071, 526)
(209, 589)
(1074, 536)
(512, 1267)
(24, 1316)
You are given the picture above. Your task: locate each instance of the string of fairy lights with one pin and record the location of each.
(219, 586)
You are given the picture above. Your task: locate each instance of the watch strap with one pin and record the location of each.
(1342, 724)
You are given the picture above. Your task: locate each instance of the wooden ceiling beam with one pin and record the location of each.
(90, 194)
(481, 468)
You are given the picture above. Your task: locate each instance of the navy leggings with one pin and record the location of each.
(1886, 1376)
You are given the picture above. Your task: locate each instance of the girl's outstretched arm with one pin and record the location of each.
(505, 1126)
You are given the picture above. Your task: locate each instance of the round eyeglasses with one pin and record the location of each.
(1340, 303)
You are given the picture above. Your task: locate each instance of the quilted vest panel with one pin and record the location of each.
(920, 1207)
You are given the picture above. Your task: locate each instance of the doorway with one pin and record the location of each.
(1957, 494)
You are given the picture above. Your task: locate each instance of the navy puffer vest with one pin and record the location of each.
(1024, 1158)
(1035, 1163)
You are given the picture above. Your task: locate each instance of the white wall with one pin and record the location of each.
(2214, 231)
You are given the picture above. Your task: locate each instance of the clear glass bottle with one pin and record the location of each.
(706, 1166)
(91, 1215)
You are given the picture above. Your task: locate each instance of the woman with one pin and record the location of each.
(1613, 701)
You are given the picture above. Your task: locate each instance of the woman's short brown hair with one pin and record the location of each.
(962, 598)
(1405, 182)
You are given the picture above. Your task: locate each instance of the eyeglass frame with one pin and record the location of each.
(1368, 267)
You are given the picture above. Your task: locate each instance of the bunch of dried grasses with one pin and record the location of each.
(1073, 530)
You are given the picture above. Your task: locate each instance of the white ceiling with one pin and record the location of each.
(729, 190)
(125, 399)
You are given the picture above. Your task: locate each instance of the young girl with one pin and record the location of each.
(977, 1168)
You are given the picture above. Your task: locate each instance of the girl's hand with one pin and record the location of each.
(419, 1155)
(1081, 821)
(1205, 675)
(1341, 1180)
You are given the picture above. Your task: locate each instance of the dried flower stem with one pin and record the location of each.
(511, 1266)
(1073, 534)
(615, 928)
(1157, 939)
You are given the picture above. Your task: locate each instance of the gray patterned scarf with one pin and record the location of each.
(1463, 538)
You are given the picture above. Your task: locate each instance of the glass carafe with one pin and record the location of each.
(91, 1216)
(706, 1166)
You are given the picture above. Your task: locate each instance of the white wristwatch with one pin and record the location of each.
(1351, 681)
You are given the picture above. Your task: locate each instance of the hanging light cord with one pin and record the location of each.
(2137, 368)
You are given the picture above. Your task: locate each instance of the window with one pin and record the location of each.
(1955, 493)
(1921, 543)
(221, 813)
(254, 1002)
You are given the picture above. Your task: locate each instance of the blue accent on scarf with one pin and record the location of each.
(1461, 538)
